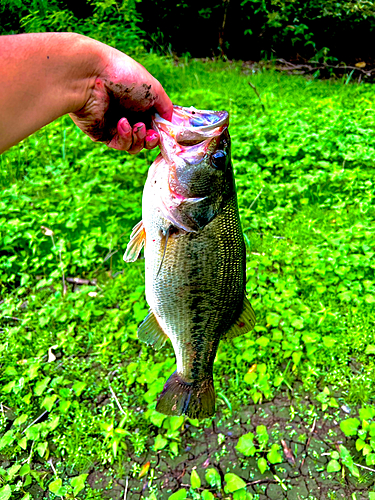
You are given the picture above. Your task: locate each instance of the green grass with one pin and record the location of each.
(304, 170)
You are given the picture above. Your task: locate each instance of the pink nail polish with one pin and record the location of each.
(151, 136)
(124, 127)
(138, 127)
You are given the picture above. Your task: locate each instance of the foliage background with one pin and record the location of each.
(337, 31)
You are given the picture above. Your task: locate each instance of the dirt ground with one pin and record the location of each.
(308, 433)
(307, 436)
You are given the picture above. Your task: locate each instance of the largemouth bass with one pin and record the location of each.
(194, 255)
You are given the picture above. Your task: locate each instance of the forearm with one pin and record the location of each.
(44, 76)
(109, 96)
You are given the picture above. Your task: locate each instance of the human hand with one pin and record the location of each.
(121, 102)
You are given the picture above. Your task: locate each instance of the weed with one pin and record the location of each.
(77, 386)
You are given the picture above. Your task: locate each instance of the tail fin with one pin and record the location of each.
(196, 400)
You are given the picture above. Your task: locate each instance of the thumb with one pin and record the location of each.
(163, 105)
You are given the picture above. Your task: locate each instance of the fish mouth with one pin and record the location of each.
(186, 141)
(190, 126)
(205, 120)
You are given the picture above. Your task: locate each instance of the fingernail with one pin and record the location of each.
(152, 136)
(139, 127)
(123, 126)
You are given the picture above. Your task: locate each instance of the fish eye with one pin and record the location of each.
(219, 160)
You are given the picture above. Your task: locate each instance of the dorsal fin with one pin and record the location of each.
(244, 324)
(136, 243)
(151, 333)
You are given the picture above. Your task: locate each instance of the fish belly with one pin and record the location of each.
(195, 285)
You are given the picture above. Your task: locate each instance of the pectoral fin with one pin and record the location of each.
(150, 332)
(136, 243)
(244, 324)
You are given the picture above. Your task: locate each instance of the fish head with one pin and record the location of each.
(200, 174)
(202, 181)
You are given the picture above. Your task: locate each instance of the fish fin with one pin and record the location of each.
(165, 248)
(245, 322)
(151, 333)
(136, 243)
(196, 400)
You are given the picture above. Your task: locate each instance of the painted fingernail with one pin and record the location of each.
(152, 139)
(124, 127)
(152, 136)
(140, 130)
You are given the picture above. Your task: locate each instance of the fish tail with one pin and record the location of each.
(196, 400)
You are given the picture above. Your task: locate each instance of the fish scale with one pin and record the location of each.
(194, 256)
(199, 289)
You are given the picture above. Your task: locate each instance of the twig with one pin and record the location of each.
(315, 65)
(308, 441)
(109, 255)
(222, 29)
(257, 93)
(182, 474)
(36, 420)
(65, 290)
(81, 281)
(257, 196)
(29, 457)
(126, 487)
(117, 401)
(358, 465)
(51, 464)
(12, 317)
(364, 467)
(260, 481)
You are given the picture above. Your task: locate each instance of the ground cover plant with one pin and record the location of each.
(295, 405)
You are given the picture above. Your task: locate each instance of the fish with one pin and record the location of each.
(194, 251)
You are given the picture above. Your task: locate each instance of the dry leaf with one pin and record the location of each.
(144, 470)
(46, 231)
(288, 453)
(51, 356)
(252, 368)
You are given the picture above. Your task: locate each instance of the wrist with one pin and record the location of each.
(84, 62)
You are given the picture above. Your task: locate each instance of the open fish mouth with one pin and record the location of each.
(191, 126)
(186, 141)
(195, 124)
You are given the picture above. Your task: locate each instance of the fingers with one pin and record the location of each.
(124, 138)
(133, 139)
(152, 139)
(139, 134)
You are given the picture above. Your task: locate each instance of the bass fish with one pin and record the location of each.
(194, 255)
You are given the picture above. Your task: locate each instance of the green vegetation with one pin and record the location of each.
(333, 32)
(111, 22)
(78, 390)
